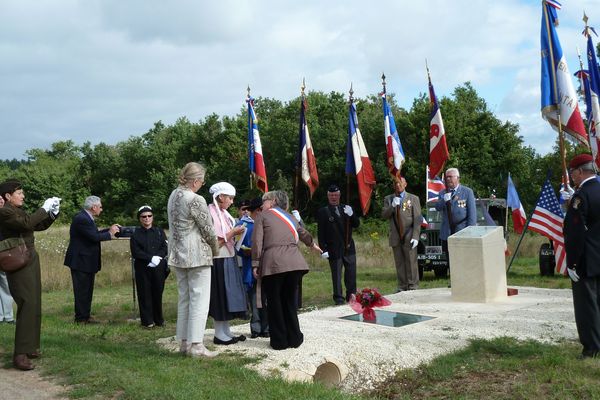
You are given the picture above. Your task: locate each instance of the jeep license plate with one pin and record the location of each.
(433, 250)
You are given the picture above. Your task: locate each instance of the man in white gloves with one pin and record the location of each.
(403, 210)
(335, 223)
(582, 244)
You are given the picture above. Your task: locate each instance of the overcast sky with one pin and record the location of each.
(105, 70)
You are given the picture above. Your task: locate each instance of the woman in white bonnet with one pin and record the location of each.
(227, 294)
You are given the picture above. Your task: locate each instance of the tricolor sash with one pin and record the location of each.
(285, 218)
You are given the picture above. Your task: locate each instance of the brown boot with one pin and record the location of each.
(20, 361)
(34, 354)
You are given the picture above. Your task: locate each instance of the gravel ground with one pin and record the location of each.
(367, 354)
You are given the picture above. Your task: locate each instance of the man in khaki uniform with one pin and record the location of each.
(404, 212)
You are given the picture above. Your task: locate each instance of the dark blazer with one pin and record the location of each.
(582, 230)
(146, 243)
(83, 253)
(333, 231)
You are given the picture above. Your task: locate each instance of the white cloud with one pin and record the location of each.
(103, 70)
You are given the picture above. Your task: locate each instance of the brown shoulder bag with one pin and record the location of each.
(14, 254)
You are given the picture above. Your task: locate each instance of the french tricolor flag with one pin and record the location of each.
(592, 92)
(255, 154)
(306, 157)
(512, 201)
(357, 161)
(395, 154)
(559, 99)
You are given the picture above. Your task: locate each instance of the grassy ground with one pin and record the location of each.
(118, 359)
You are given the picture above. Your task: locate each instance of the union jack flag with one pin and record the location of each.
(547, 220)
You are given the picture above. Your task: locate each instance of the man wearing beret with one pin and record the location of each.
(582, 243)
(335, 223)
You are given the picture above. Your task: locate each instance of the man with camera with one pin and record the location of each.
(84, 256)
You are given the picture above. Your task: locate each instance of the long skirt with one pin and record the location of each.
(227, 293)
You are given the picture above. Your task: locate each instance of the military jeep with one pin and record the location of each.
(430, 257)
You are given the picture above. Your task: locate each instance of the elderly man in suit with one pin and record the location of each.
(83, 255)
(582, 243)
(335, 223)
(403, 210)
(457, 204)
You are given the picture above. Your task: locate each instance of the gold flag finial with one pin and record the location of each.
(351, 93)
(248, 89)
(302, 87)
(383, 82)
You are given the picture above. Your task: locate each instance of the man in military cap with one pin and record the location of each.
(335, 223)
(582, 243)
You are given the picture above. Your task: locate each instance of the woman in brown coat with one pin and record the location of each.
(25, 284)
(277, 261)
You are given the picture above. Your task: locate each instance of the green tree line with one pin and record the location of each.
(143, 169)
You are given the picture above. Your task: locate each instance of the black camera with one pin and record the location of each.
(126, 232)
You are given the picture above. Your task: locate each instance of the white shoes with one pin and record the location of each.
(198, 350)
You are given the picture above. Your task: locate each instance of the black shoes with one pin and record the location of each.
(240, 338)
(254, 335)
(216, 340)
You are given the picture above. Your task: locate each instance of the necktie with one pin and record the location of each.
(399, 222)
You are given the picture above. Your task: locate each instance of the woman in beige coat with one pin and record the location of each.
(277, 261)
(192, 243)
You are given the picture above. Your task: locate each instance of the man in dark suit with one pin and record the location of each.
(582, 244)
(83, 255)
(403, 210)
(335, 224)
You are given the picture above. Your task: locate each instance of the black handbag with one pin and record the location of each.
(14, 254)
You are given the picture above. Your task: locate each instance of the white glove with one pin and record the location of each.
(447, 196)
(566, 193)
(348, 210)
(155, 261)
(48, 204)
(573, 274)
(55, 209)
(296, 215)
(396, 202)
(325, 255)
(414, 243)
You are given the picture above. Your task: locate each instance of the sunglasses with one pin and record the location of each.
(146, 216)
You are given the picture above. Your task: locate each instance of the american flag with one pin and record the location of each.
(547, 220)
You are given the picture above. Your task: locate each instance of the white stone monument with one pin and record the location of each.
(477, 265)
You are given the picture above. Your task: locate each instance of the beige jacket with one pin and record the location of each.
(192, 239)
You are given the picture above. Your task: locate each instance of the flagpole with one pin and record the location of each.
(525, 228)
(506, 216)
(249, 127)
(299, 158)
(561, 139)
(347, 236)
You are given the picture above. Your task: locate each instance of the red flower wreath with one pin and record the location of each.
(363, 302)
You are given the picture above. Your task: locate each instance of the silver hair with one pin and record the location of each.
(453, 170)
(589, 167)
(91, 201)
(279, 197)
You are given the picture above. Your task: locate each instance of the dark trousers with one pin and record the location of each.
(83, 291)
(26, 289)
(445, 250)
(586, 301)
(259, 320)
(150, 284)
(349, 264)
(284, 327)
